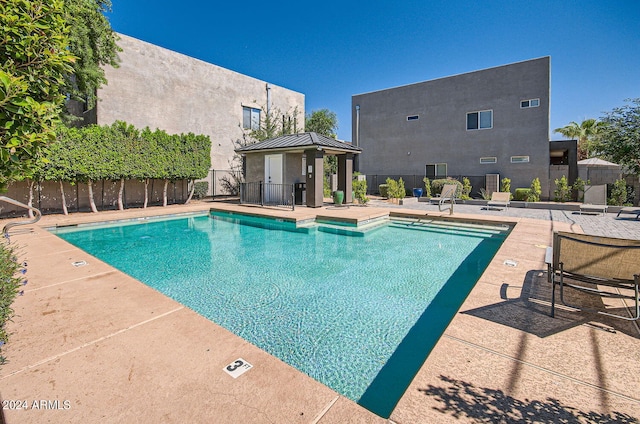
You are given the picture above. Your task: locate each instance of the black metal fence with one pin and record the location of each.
(412, 181)
(267, 194)
(224, 182)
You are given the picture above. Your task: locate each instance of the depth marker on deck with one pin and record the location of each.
(237, 368)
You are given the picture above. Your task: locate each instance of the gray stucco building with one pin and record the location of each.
(492, 121)
(159, 88)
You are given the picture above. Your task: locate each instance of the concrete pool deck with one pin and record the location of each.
(108, 348)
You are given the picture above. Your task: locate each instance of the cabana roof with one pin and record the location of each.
(300, 142)
(596, 162)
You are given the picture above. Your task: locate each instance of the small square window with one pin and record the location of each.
(519, 159)
(489, 159)
(524, 103)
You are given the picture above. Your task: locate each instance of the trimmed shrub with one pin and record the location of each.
(436, 185)
(200, 190)
(395, 189)
(466, 189)
(522, 194)
(534, 191)
(427, 187)
(505, 186)
(360, 191)
(10, 283)
(563, 191)
(384, 190)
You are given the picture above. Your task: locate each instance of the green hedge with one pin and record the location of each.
(117, 151)
(200, 190)
(10, 283)
(384, 190)
(522, 194)
(436, 186)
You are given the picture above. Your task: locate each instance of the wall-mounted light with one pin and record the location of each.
(408, 153)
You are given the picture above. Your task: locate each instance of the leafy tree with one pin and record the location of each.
(34, 62)
(322, 121)
(586, 133)
(273, 123)
(120, 152)
(618, 193)
(325, 122)
(149, 149)
(620, 139)
(427, 187)
(578, 186)
(93, 42)
(57, 166)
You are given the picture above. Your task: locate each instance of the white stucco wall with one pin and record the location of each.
(159, 88)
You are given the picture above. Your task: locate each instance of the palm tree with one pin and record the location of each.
(584, 133)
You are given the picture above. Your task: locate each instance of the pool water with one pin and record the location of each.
(358, 310)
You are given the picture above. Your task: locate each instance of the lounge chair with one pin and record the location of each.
(595, 199)
(602, 266)
(499, 199)
(448, 194)
(631, 210)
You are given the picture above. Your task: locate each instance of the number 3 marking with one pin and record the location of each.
(235, 366)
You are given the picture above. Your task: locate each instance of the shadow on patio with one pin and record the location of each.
(463, 400)
(528, 307)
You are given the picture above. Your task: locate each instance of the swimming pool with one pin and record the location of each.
(358, 309)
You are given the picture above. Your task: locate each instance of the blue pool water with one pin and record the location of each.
(356, 310)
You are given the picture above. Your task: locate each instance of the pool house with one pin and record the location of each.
(289, 169)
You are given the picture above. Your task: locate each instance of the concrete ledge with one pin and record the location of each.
(567, 206)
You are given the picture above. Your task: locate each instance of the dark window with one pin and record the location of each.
(472, 121)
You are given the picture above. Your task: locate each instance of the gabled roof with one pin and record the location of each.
(300, 142)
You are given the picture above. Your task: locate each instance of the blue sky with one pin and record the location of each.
(331, 50)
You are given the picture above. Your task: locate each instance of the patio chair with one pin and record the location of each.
(448, 194)
(601, 266)
(499, 199)
(632, 210)
(595, 199)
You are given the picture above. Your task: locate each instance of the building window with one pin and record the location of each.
(436, 170)
(413, 118)
(530, 103)
(480, 120)
(250, 118)
(489, 159)
(519, 159)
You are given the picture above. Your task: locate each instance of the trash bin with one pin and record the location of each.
(300, 193)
